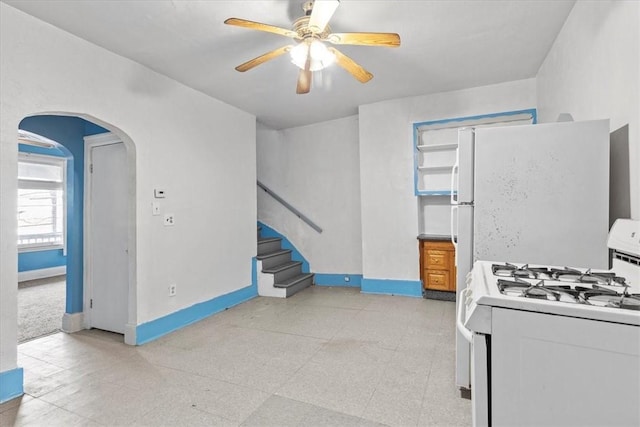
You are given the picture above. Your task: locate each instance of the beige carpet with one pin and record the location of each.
(41, 305)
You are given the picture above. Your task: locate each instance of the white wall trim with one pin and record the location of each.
(101, 139)
(42, 273)
(72, 322)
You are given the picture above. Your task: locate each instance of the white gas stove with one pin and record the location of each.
(553, 345)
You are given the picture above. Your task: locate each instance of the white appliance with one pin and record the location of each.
(532, 193)
(553, 346)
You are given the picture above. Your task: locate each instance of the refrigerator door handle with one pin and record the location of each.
(454, 191)
(454, 214)
(464, 331)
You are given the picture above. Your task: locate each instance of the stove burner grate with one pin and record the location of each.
(588, 277)
(538, 290)
(510, 270)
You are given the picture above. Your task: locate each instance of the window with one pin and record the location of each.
(41, 202)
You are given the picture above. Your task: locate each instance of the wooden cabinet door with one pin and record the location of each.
(438, 280)
(437, 265)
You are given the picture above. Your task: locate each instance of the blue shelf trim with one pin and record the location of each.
(434, 193)
(408, 288)
(11, 384)
(531, 111)
(416, 126)
(157, 328)
(325, 279)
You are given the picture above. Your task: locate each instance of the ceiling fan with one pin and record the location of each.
(311, 53)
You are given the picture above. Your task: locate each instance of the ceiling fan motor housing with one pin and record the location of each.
(301, 26)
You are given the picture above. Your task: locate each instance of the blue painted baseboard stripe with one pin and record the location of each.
(11, 384)
(172, 322)
(409, 288)
(325, 279)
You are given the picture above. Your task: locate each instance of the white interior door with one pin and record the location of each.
(109, 211)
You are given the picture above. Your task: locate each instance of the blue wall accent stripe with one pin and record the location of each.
(157, 328)
(11, 384)
(286, 244)
(324, 279)
(35, 260)
(409, 288)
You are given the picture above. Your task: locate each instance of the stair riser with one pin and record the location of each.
(266, 247)
(287, 274)
(299, 286)
(276, 260)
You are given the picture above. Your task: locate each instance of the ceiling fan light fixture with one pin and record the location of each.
(321, 57)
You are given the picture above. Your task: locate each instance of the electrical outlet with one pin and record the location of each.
(172, 290)
(169, 220)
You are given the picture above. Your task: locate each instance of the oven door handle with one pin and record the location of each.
(466, 333)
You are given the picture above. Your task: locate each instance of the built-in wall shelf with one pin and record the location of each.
(435, 168)
(437, 147)
(434, 156)
(435, 144)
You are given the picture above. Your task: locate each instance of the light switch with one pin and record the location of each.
(155, 207)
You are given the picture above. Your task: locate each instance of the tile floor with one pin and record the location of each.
(326, 356)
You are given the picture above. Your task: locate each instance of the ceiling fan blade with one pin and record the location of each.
(263, 58)
(304, 77)
(365, 39)
(261, 27)
(321, 13)
(304, 82)
(351, 66)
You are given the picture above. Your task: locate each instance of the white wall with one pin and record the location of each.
(389, 206)
(316, 169)
(200, 150)
(592, 71)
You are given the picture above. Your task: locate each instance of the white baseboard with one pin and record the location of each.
(41, 273)
(130, 334)
(72, 322)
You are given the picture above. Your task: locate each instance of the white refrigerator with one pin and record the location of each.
(536, 194)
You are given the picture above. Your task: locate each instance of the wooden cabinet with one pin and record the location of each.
(437, 265)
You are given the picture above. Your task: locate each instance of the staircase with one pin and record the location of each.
(279, 276)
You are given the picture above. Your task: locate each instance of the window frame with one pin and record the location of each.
(25, 157)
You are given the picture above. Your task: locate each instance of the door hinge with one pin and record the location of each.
(91, 168)
(91, 303)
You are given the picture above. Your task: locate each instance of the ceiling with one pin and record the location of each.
(446, 45)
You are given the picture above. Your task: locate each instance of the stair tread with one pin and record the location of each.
(293, 281)
(281, 267)
(269, 239)
(274, 253)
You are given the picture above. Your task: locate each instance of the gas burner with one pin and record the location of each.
(626, 301)
(539, 290)
(588, 277)
(584, 292)
(510, 270)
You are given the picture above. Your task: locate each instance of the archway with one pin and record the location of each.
(71, 129)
